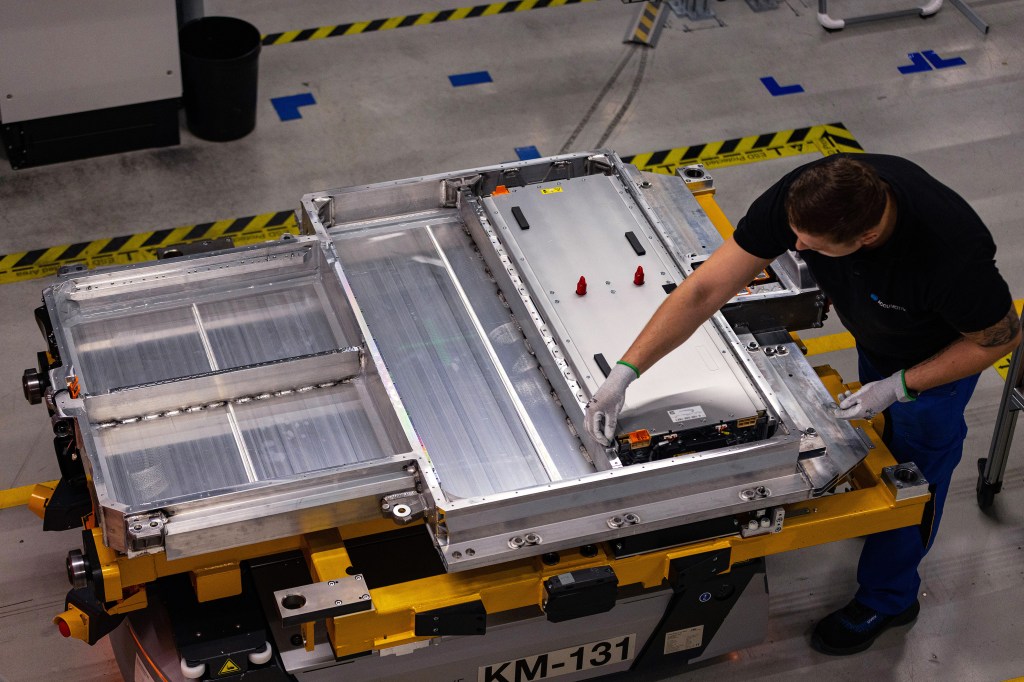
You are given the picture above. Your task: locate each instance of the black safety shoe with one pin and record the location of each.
(855, 627)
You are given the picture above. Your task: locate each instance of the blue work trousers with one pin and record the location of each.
(929, 432)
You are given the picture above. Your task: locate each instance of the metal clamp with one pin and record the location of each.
(697, 179)
(766, 521)
(403, 507)
(145, 531)
(327, 599)
(905, 481)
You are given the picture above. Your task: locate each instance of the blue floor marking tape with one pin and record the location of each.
(474, 78)
(940, 63)
(917, 64)
(287, 108)
(527, 153)
(776, 90)
(926, 60)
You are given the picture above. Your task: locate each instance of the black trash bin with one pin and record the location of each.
(220, 71)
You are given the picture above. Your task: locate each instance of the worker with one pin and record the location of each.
(910, 270)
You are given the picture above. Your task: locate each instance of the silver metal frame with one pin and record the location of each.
(480, 531)
(808, 452)
(267, 510)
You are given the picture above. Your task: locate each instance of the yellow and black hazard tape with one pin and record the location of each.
(135, 248)
(821, 139)
(646, 22)
(421, 19)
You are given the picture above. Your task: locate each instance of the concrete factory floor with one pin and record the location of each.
(385, 109)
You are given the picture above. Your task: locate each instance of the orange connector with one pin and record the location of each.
(639, 439)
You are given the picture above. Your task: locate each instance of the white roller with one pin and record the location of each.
(192, 672)
(261, 657)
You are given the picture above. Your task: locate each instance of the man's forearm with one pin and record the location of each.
(960, 359)
(697, 298)
(672, 324)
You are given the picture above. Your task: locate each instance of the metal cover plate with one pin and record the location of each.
(578, 227)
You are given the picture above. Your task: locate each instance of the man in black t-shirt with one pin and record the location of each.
(910, 269)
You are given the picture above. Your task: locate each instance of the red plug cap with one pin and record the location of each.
(581, 286)
(65, 629)
(638, 276)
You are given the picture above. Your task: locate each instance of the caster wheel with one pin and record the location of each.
(261, 657)
(192, 672)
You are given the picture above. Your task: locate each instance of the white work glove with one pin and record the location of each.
(874, 398)
(603, 409)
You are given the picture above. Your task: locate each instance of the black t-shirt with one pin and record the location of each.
(909, 298)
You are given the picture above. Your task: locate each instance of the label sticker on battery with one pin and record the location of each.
(550, 190)
(561, 662)
(685, 414)
(684, 640)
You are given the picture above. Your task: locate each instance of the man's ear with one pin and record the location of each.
(870, 237)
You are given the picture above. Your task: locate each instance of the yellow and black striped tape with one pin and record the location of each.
(646, 23)
(136, 248)
(824, 139)
(421, 19)
(821, 139)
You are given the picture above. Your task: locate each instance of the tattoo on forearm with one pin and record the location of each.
(998, 334)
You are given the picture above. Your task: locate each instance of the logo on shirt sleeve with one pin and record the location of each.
(887, 306)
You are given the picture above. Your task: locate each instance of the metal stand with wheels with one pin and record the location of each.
(991, 468)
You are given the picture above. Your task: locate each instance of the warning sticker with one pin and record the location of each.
(550, 190)
(684, 414)
(683, 640)
(229, 668)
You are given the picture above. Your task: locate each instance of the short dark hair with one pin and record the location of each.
(839, 198)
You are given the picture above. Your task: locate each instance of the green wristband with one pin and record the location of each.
(633, 367)
(911, 395)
